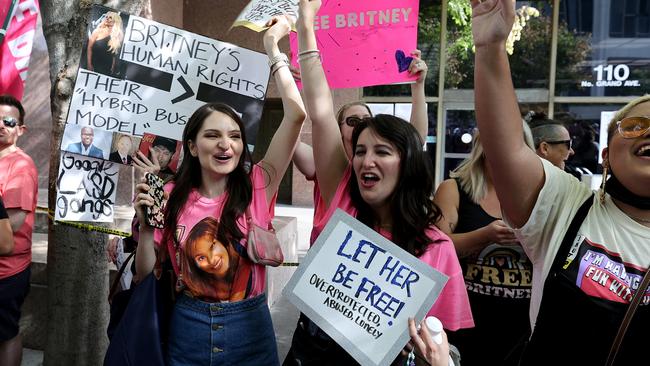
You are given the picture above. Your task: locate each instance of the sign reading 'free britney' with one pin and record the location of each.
(365, 42)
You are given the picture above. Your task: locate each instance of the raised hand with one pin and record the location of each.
(492, 21)
(418, 66)
(280, 26)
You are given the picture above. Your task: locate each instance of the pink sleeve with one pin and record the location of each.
(452, 306)
(19, 193)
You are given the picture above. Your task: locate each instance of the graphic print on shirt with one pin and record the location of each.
(603, 274)
(212, 267)
(499, 270)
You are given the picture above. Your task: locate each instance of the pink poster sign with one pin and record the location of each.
(365, 42)
(16, 46)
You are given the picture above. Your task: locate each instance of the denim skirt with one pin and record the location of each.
(237, 333)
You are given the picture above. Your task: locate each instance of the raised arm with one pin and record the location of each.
(284, 140)
(329, 154)
(419, 117)
(303, 159)
(517, 172)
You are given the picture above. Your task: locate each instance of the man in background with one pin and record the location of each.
(19, 191)
(552, 139)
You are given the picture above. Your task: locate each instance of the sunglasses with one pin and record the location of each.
(633, 127)
(9, 121)
(352, 121)
(568, 143)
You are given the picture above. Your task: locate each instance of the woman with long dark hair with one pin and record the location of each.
(590, 250)
(387, 186)
(217, 179)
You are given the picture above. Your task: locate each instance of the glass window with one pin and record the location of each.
(629, 18)
(529, 61)
(459, 131)
(429, 44)
(587, 125)
(608, 58)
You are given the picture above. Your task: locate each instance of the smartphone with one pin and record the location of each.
(155, 213)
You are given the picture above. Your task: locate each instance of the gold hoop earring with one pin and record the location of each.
(602, 183)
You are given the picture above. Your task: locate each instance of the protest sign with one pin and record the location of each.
(258, 12)
(86, 189)
(365, 42)
(361, 289)
(138, 76)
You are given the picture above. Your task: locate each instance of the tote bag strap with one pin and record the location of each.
(634, 304)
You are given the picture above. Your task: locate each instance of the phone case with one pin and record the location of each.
(155, 213)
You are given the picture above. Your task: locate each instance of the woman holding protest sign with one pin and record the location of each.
(218, 179)
(590, 250)
(387, 186)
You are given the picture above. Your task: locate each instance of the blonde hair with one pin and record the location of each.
(117, 35)
(622, 113)
(471, 171)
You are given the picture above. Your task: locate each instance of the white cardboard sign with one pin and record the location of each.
(361, 289)
(86, 189)
(159, 75)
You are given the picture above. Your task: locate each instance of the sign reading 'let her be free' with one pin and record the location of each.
(361, 289)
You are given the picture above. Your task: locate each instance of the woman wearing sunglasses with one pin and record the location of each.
(590, 250)
(387, 185)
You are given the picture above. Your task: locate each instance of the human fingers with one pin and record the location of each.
(415, 336)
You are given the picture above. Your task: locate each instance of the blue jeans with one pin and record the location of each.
(237, 333)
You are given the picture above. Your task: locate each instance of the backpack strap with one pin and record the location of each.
(563, 252)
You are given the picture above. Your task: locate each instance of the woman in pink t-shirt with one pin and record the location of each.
(221, 315)
(388, 187)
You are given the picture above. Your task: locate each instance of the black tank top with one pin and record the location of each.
(498, 279)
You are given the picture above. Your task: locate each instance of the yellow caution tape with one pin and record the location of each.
(83, 226)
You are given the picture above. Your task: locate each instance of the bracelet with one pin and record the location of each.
(277, 58)
(308, 51)
(278, 68)
(308, 56)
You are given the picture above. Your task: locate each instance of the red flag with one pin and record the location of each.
(16, 45)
